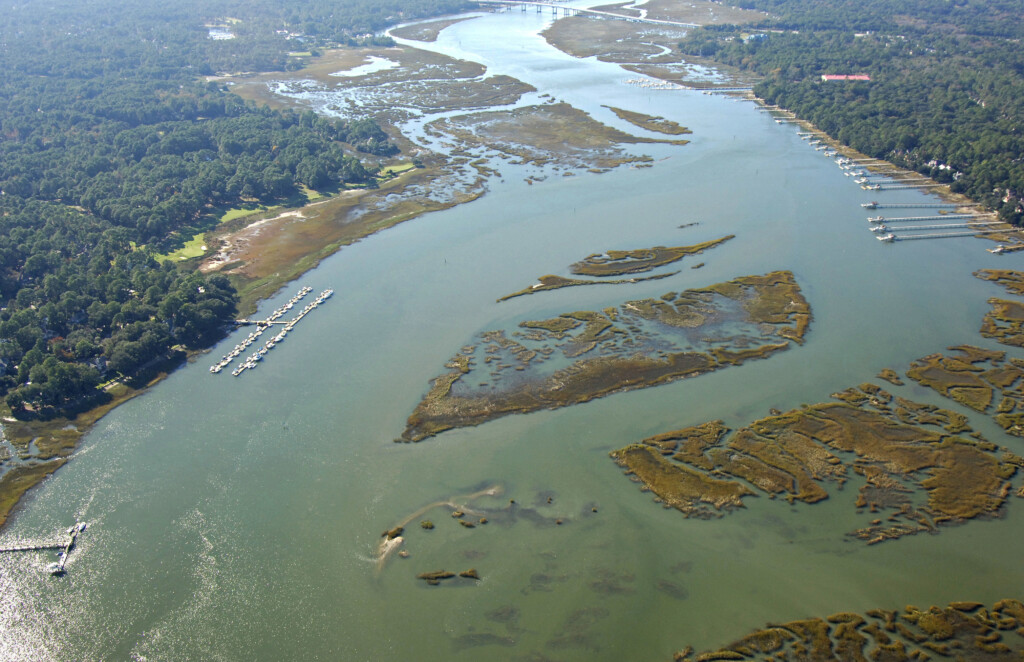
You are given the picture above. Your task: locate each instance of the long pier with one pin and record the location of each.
(944, 235)
(721, 90)
(938, 217)
(909, 205)
(898, 187)
(982, 225)
(33, 547)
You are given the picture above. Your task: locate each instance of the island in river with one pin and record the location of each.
(900, 448)
(582, 355)
(963, 631)
(618, 263)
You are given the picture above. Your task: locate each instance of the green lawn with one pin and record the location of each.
(194, 247)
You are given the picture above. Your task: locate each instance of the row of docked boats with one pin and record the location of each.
(253, 359)
(262, 326)
(237, 350)
(816, 143)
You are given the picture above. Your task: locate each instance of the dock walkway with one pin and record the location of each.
(262, 325)
(57, 567)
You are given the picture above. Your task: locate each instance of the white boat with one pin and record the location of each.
(875, 219)
(879, 228)
(889, 238)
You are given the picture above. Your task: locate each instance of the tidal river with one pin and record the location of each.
(239, 518)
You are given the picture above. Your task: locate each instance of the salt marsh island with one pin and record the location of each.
(582, 355)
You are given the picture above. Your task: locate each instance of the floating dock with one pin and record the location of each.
(57, 567)
(261, 326)
(253, 359)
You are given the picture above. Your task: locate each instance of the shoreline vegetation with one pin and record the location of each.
(101, 272)
(618, 263)
(685, 59)
(260, 246)
(941, 92)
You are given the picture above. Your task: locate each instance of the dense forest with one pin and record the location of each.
(113, 147)
(946, 95)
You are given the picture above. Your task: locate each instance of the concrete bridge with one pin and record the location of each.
(575, 11)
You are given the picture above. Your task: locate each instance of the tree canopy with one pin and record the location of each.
(946, 95)
(113, 146)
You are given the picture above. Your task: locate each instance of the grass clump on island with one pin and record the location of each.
(649, 122)
(978, 378)
(1005, 322)
(899, 447)
(618, 263)
(582, 355)
(554, 133)
(964, 630)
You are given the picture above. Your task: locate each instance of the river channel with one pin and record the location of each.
(239, 518)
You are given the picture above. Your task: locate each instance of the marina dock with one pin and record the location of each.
(253, 359)
(938, 217)
(936, 235)
(57, 567)
(946, 226)
(877, 175)
(909, 205)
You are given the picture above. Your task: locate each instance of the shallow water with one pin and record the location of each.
(237, 518)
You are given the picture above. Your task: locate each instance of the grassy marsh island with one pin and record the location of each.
(651, 50)
(977, 378)
(963, 630)
(618, 263)
(649, 122)
(554, 133)
(899, 449)
(914, 464)
(413, 81)
(582, 355)
(1005, 322)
